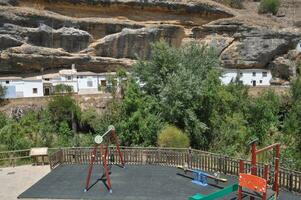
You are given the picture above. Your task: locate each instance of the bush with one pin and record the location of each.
(171, 136)
(234, 3)
(269, 6)
(63, 88)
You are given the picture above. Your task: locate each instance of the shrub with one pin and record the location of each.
(171, 136)
(63, 88)
(269, 6)
(235, 3)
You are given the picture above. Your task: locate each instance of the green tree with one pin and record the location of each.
(263, 115)
(171, 136)
(30, 127)
(46, 129)
(184, 82)
(64, 108)
(3, 120)
(12, 136)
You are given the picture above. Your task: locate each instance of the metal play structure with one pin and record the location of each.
(102, 143)
(255, 183)
(256, 186)
(200, 177)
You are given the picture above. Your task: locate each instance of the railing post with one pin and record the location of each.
(225, 164)
(291, 181)
(189, 158)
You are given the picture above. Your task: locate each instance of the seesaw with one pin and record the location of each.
(200, 177)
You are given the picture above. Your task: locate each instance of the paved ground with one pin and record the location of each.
(15, 180)
(131, 183)
(134, 182)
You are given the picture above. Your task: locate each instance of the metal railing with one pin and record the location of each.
(173, 157)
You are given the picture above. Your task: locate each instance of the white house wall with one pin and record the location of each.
(14, 88)
(84, 81)
(30, 85)
(247, 77)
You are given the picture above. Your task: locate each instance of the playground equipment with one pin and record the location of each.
(103, 141)
(257, 184)
(218, 194)
(200, 177)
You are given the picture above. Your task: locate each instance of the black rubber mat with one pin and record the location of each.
(132, 183)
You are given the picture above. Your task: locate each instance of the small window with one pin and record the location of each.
(7, 82)
(35, 90)
(241, 74)
(90, 83)
(69, 78)
(46, 79)
(254, 73)
(103, 83)
(264, 74)
(260, 81)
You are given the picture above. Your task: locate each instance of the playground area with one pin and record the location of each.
(114, 172)
(139, 182)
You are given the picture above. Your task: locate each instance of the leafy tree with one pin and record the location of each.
(65, 134)
(3, 120)
(263, 115)
(11, 135)
(184, 81)
(171, 136)
(64, 108)
(30, 127)
(46, 129)
(232, 137)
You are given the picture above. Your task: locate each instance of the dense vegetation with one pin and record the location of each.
(179, 96)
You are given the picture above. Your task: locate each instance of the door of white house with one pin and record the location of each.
(254, 83)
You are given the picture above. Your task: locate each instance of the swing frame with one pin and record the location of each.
(103, 147)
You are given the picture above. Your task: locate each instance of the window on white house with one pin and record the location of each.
(35, 90)
(90, 83)
(260, 81)
(254, 73)
(69, 78)
(103, 83)
(46, 79)
(241, 74)
(264, 74)
(7, 82)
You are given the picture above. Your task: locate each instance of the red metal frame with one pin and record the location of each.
(103, 150)
(254, 153)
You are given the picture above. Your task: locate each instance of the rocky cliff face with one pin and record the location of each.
(38, 36)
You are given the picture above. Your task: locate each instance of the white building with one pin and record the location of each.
(33, 87)
(87, 82)
(16, 87)
(252, 77)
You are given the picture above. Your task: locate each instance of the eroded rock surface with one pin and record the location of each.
(137, 43)
(37, 36)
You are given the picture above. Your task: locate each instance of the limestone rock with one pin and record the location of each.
(7, 41)
(70, 39)
(283, 68)
(132, 43)
(27, 59)
(219, 42)
(250, 46)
